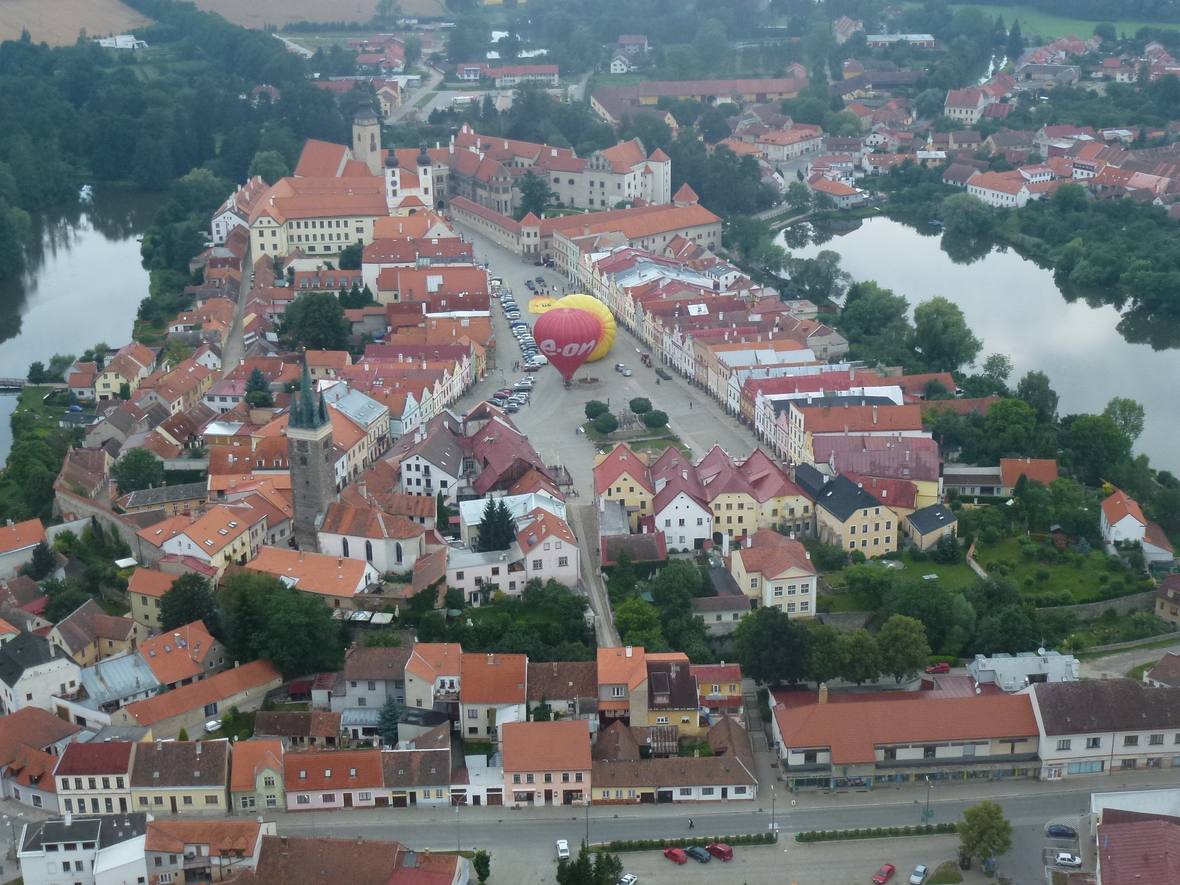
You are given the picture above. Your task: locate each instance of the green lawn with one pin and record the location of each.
(954, 576)
(1083, 582)
(1136, 673)
(1033, 22)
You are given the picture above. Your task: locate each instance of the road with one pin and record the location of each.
(294, 47)
(234, 350)
(1118, 664)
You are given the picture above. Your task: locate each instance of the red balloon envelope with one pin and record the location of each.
(567, 336)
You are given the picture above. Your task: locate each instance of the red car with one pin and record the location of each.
(940, 667)
(676, 855)
(884, 874)
(720, 850)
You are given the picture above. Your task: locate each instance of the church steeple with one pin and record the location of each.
(309, 410)
(312, 460)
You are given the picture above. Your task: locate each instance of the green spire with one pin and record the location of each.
(306, 413)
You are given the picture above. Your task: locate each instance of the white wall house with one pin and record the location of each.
(32, 671)
(421, 477)
(1121, 519)
(66, 851)
(685, 521)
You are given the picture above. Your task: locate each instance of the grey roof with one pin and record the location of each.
(25, 651)
(422, 717)
(958, 173)
(826, 402)
(461, 557)
(166, 494)
(438, 444)
(116, 678)
(1106, 705)
(416, 768)
(364, 410)
(110, 733)
(931, 519)
(842, 497)
(808, 478)
(724, 603)
(181, 764)
(105, 831)
(723, 583)
(360, 716)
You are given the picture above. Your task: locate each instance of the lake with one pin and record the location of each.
(1015, 308)
(83, 285)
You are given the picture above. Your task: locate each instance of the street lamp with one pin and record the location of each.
(458, 830)
(587, 821)
(773, 825)
(927, 814)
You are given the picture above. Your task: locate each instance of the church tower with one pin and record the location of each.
(366, 140)
(313, 469)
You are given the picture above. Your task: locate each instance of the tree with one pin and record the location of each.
(1095, 445)
(594, 408)
(387, 722)
(350, 256)
(63, 598)
(997, 368)
(182, 735)
(36, 373)
(860, 656)
(315, 320)
(638, 623)
(984, 832)
(497, 530)
(929, 103)
(942, 336)
(270, 166)
(771, 647)
(640, 405)
(1015, 43)
(138, 469)
(189, 599)
(535, 195)
(1127, 414)
(819, 279)
(1009, 429)
(481, 863)
(42, 563)
(798, 196)
(1106, 31)
(607, 423)
(824, 661)
(903, 646)
(713, 125)
(1034, 389)
(655, 419)
(258, 390)
(601, 868)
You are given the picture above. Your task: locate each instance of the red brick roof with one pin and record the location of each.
(20, 535)
(1042, 470)
(562, 745)
(104, 758)
(493, 678)
(1119, 505)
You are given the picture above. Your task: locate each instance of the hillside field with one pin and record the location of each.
(259, 13)
(57, 22)
(1033, 22)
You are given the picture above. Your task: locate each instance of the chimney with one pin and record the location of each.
(197, 749)
(627, 651)
(874, 414)
(69, 819)
(823, 693)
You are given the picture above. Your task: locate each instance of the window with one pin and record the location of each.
(1095, 743)
(661, 720)
(188, 800)
(364, 796)
(1156, 740)
(472, 713)
(686, 791)
(1128, 763)
(577, 777)
(1063, 744)
(548, 777)
(617, 691)
(516, 778)
(328, 797)
(528, 778)
(1131, 740)
(537, 565)
(563, 561)
(209, 800)
(706, 791)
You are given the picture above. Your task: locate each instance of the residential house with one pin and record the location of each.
(371, 678)
(719, 689)
(548, 547)
(622, 685)
(965, 105)
(256, 780)
(1042, 470)
(318, 779)
(338, 582)
(721, 613)
(1136, 846)
(84, 850)
(127, 368)
(104, 687)
(181, 777)
(1001, 190)
(866, 740)
(433, 675)
(320, 861)
(1122, 521)
(32, 671)
(1167, 599)
(1013, 673)
(189, 851)
(418, 776)
(182, 656)
(31, 741)
(568, 688)
(491, 694)
(843, 195)
(1105, 726)
(776, 571)
(622, 475)
(849, 517)
(299, 730)
(925, 527)
(672, 696)
(145, 590)
(95, 778)
(547, 763)
(189, 707)
(88, 634)
(220, 536)
(17, 542)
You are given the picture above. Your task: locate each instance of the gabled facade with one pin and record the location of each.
(332, 779)
(547, 763)
(256, 780)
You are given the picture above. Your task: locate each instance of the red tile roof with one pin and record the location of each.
(770, 553)
(251, 757)
(31, 727)
(104, 758)
(332, 769)
(1042, 470)
(20, 535)
(620, 460)
(1120, 505)
(493, 678)
(562, 745)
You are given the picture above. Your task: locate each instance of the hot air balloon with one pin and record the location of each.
(567, 337)
(592, 305)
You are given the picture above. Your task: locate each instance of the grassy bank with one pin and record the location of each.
(1034, 23)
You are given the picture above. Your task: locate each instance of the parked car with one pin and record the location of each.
(1065, 859)
(698, 854)
(1060, 831)
(626, 373)
(627, 879)
(504, 391)
(884, 874)
(213, 726)
(676, 855)
(720, 850)
(619, 367)
(940, 667)
(511, 408)
(542, 359)
(563, 849)
(918, 876)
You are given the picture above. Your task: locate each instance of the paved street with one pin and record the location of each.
(1116, 665)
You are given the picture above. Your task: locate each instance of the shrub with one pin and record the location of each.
(606, 423)
(655, 419)
(594, 408)
(640, 405)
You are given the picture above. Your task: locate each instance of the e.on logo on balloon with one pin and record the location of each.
(573, 349)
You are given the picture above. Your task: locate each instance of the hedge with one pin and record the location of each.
(702, 841)
(873, 833)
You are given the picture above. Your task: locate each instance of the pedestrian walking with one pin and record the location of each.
(690, 404)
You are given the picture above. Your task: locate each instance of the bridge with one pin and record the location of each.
(22, 383)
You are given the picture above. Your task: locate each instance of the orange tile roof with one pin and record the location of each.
(430, 660)
(149, 582)
(321, 159)
(368, 521)
(1120, 505)
(178, 654)
(543, 526)
(33, 769)
(312, 572)
(234, 838)
(835, 419)
(621, 460)
(332, 769)
(622, 666)
(853, 730)
(20, 535)
(31, 727)
(770, 554)
(249, 758)
(561, 745)
(328, 359)
(1042, 470)
(493, 678)
(624, 155)
(291, 198)
(254, 676)
(1002, 182)
(832, 188)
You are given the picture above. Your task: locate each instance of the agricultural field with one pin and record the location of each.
(1034, 23)
(259, 13)
(57, 22)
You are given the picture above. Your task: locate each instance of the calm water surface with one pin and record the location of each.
(83, 285)
(1015, 308)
